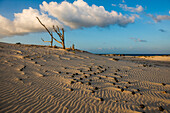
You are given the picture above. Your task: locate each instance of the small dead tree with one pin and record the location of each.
(61, 35)
(49, 41)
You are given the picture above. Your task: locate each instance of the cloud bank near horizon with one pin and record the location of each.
(73, 15)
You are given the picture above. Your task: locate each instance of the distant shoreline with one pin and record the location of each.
(134, 54)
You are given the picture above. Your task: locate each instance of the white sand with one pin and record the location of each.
(30, 81)
(157, 58)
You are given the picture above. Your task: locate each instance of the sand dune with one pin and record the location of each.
(43, 79)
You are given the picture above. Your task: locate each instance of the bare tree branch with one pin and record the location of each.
(48, 31)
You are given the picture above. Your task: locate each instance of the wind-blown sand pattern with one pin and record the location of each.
(42, 79)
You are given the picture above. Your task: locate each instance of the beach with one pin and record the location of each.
(43, 79)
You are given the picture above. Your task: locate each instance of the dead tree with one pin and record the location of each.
(61, 35)
(57, 31)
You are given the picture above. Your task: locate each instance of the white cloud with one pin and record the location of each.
(137, 40)
(169, 12)
(24, 23)
(138, 8)
(113, 4)
(74, 15)
(159, 18)
(80, 14)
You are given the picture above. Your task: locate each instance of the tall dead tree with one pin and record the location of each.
(61, 35)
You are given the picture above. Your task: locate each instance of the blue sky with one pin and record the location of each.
(133, 27)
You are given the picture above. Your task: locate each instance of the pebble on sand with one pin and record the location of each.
(122, 89)
(96, 88)
(71, 82)
(161, 108)
(93, 91)
(133, 92)
(71, 89)
(101, 99)
(163, 84)
(89, 83)
(142, 106)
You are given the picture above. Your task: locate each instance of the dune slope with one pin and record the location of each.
(43, 79)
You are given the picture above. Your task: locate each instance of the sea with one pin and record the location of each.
(139, 54)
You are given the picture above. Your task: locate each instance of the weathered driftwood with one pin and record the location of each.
(61, 35)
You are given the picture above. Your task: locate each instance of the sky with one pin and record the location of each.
(97, 26)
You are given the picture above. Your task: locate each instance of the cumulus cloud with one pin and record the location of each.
(80, 14)
(74, 15)
(159, 18)
(24, 23)
(137, 40)
(138, 8)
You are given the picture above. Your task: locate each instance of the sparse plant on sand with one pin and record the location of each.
(57, 30)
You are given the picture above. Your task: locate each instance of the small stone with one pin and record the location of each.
(115, 73)
(90, 79)
(20, 79)
(129, 82)
(85, 76)
(89, 83)
(93, 91)
(71, 89)
(163, 84)
(161, 108)
(80, 70)
(138, 90)
(141, 106)
(118, 69)
(106, 76)
(116, 80)
(59, 72)
(113, 83)
(122, 89)
(126, 87)
(96, 88)
(72, 76)
(118, 87)
(100, 78)
(90, 74)
(76, 74)
(164, 91)
(133, 92)
(120, 76)
(72, 82)
(67, 72)
(81, 78)
(82, 82)
(101, 99)
(94, 73)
